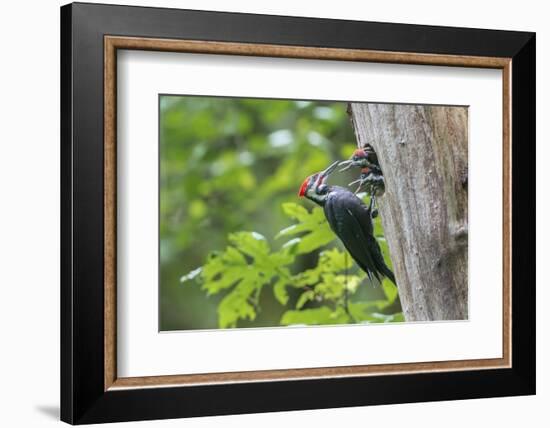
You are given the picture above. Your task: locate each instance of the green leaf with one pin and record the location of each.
(252, 244)
(334, 260)
(221, 271)
(308, 277)
(293, 230)
(317, 238)
(317, 232)
(232, 256)
(292, 245)
(305, 297)
(280, 258)
(236, 304)
(295, 211)
(245, 267)
(330, 289)
(332, 286)
(279, 291)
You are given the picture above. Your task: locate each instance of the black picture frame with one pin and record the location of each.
(83, 398)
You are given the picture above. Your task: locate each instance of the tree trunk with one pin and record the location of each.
(423, 153)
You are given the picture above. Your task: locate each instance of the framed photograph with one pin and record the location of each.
(265, 213)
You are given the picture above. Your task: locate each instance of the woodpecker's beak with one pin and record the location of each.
(347, 165)
(330, 169)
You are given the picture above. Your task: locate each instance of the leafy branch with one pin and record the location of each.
(324, 293)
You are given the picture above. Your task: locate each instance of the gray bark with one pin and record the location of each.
(423, 153)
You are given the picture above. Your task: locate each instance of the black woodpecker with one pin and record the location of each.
(351, 221)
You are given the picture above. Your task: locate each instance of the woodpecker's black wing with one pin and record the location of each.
(350, 219)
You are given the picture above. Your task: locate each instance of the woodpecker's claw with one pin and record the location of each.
(372, 207)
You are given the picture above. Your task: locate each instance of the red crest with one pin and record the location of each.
(303, 188)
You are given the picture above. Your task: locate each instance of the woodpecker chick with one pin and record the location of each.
(372, 180)
(361, 158)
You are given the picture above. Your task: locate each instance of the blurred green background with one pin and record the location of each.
(226, 165)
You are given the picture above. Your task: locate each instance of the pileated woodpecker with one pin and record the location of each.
(351, 221)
